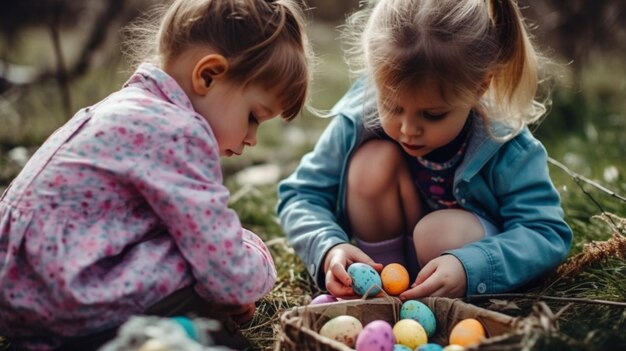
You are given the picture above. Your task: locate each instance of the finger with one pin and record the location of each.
(441, 292)
(408, 294)
(336, 287)
(424, 273)
(339, 272)
(238, 309)
(244, 316)
(423, 289)
(340, 291)
(364, 258)
(378, 267)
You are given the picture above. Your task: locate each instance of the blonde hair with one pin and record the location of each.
(462, 44)
(263, 41)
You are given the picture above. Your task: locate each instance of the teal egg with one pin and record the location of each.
(365, 279)
(412, 309)
(400, 347)
(430, 347)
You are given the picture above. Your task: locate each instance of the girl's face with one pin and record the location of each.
(421, 120)
(235, 113)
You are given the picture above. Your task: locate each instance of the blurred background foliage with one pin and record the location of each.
(57, 56)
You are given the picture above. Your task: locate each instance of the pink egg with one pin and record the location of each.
(324, 298)
(376, 336)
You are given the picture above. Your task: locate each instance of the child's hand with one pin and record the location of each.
(442, 276)
(243, 313)
(240, 314)
(338, 282)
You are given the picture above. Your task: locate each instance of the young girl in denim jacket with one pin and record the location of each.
(122, 211)
(428, 161)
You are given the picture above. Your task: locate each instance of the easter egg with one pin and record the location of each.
(365, 279)
(324, 298)
(413, 309)
(454, 348)
(467, 332)
(154, 345)
(429, 347)
(375, 336)
(400, 347)
(343, 329)
(395, 278)
(409, 333)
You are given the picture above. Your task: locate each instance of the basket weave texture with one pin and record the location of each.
(300, 325)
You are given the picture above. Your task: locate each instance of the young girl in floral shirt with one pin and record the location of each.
(122, 211)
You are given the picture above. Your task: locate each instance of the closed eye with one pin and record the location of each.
(252, 118)
(434, 116)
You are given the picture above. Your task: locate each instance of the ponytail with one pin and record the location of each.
(515, 75)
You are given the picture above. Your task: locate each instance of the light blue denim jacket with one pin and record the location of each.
(507, 183)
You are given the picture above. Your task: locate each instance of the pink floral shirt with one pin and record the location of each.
(119, 208)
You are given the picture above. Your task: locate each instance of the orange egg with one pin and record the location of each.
(395, 278)
(467, 332)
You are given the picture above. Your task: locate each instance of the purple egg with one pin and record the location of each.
(376, 336)
(324, 298)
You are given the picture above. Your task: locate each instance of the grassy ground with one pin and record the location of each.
(585, 130)
(584, 326)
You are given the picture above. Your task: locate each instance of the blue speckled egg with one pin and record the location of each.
(400, 347)
(365, 279)
(412, 309)
(429, 347)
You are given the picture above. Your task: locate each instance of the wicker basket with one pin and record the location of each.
(300, 325)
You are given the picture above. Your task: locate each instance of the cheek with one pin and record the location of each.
(443, 136)
(225, 134)
(389, 126)
(445, 133)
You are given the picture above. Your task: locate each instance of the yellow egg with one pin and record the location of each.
(467, 332)
(154, 345)
(410, 333)
(342, 328)
(454, 348)
(395, 278)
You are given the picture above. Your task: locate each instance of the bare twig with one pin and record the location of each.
(577, 177)
(545, 297)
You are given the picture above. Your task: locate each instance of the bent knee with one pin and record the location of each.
(444, 230)
(375, 168)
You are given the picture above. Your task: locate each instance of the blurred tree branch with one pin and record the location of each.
(56, 15)
(574, 29)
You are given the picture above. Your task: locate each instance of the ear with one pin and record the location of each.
(207, 69)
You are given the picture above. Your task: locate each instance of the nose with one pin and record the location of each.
(250, 139)
(411, 126)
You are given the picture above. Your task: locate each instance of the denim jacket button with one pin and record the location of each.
(481, 288)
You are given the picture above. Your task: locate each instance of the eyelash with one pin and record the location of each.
(252, 118)
(432, 117)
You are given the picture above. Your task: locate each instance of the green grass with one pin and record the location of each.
(580, 323)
